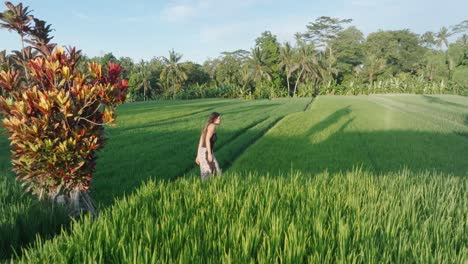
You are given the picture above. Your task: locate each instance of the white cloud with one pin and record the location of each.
(284, 28)
(178, 12)
(183, 10)
(219, 32)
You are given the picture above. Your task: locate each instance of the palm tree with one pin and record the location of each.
(260, 70)
(173, 75)
(463, 39)
(145, 73)
(442, 37)
(373, 65)
(287, 62)
(320, 70)
(305, 59)
(246, 77)
(428, 39)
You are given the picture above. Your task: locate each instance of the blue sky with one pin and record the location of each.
(142, 29)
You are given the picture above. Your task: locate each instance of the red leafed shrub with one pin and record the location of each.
(55, 114)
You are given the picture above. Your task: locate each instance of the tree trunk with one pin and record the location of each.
(371, 77)
(297, 82)
(431, 74)
(77, 202)
(287, 81)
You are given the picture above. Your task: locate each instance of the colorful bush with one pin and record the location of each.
(55, 113)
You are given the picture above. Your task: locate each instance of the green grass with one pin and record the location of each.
(351, 179)
(375, 132)
(154, 140)
(352, 217)
(22, 217)
(161, 142)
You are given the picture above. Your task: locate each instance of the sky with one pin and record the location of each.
(202, 29)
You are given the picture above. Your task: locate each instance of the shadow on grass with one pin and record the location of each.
(132, 158)
(380, 152)
(164, 121)
(203, 114)
(129, 158)
(145, 108)
(330, 120)
(24, 218)
(437, 100)
(245, 109)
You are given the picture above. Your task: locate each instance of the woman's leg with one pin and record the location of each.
(205, 170)
(217, 169)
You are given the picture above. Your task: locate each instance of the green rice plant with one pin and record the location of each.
(338, 133)
(374, 179)
(322, 218)
(155, 140)
(166, 149)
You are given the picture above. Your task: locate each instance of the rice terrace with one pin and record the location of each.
(324, 145)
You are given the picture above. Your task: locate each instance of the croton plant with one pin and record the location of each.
(53, 112)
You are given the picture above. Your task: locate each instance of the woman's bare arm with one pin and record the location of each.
(200, 143)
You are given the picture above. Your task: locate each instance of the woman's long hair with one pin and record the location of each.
(210, 120)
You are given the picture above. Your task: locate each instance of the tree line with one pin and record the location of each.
(329, 57)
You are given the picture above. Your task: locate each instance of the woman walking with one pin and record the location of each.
(205, 155)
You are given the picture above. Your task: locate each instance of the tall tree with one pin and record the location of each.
(127, 65)
(108, 57)
(306, 60)
(173, 75)
(373, 65)
(463, 39)
(460, 28)
(240, 54)
(322, 32)
(259, 67)
(144, 72)
(228, 69)
(399, 49)
(349, 51)
(246, 77)
(196, 74)
(433, 65)
(269, 45)
(324, 29)
(428, 39)
(287, 62)
(442, 37)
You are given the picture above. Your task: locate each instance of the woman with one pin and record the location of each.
(205, 156)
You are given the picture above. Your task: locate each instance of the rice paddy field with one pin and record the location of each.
(334, 179)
